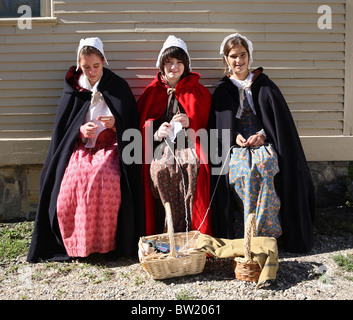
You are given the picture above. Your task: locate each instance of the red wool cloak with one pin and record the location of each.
(196, 101)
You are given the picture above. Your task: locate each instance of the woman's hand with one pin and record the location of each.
(164, 130)
(89, 129)
(183, 119)
(241, 141)
(256, 140)
(107, 121)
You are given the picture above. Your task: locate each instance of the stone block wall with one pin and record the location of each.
(331, 183)
(19, 188)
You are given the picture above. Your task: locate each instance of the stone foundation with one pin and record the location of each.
(331, 183)
(19, 192)
(19, 188)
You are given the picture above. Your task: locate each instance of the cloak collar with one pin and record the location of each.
(183, 85)
(244, 88)
(72, 80)
(258, 76)
(153, 101)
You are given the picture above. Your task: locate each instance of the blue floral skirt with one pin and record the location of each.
(251, 177)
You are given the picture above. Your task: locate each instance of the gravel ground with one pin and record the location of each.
(314, 276)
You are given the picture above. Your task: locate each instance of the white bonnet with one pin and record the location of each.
(91, 42)
(173, 41)
(250, 46)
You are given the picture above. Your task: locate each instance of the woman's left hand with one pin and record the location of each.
(256, 140)
(183, 119)
(107, 121)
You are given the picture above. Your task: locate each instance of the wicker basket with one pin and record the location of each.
(186, 261)
(245, 268)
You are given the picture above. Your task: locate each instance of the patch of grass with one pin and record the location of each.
(125, 274)
(349, 278)
(15, 239)
(185, 295)
(108, 275)
(139, 281)
(345, 262)
(59, 293)
(62, 268)
(97, 275)
(90, 275)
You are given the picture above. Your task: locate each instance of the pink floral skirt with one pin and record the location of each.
(90, 197)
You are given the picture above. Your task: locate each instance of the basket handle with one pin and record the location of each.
(250, 231)
(169, 219)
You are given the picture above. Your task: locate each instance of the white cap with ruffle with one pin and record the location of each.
(250, 47)
(91, 42)
(173, 41)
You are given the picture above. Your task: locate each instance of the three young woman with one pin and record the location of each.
(92, 201)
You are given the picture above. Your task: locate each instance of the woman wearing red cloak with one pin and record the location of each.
(174, 110)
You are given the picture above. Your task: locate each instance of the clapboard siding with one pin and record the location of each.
(308, 64)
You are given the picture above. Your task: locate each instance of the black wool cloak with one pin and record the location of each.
(46, 241)
(293, 183)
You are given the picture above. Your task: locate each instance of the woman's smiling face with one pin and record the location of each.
(238, 59)
(173, 70)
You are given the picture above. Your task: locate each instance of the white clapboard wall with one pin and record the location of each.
(306, 62)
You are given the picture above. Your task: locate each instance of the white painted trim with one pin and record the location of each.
(329, 148)
(35, 21)
(23, 151)
(348, 79)
(46, 15)
(34, 151)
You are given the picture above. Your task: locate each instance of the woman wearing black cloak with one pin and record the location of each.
(268, 172)
(90, 200)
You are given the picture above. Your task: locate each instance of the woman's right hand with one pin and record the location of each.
(89, 129)
(164, 130)
(241, 141)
